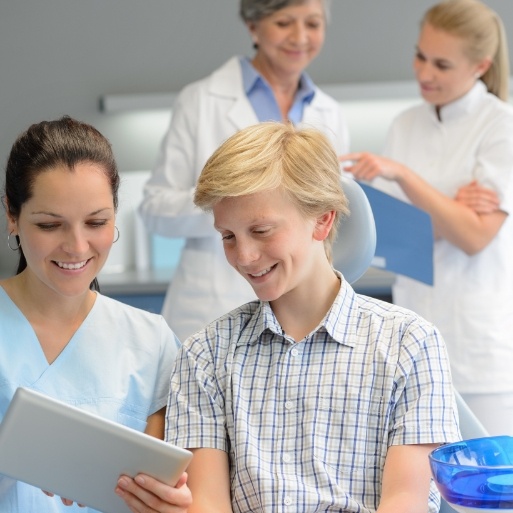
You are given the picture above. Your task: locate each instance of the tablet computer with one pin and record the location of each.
(78, 455)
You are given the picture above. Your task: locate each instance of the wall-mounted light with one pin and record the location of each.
(341, 92)
(131, 102)
(397, 90)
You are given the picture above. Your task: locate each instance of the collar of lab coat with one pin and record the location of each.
(226, 82)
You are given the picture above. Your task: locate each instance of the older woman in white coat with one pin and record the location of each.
(272, 85)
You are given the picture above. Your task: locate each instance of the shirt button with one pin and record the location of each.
(294, 352)
(289, 405)
(287, 458)
(287, 501)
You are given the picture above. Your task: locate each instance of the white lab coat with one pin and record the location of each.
(206, 113)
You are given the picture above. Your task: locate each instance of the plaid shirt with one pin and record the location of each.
(307, 425)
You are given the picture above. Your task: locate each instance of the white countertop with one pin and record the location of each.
(373, 282)
(132, 282)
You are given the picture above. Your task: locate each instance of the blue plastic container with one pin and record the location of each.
(475, 474)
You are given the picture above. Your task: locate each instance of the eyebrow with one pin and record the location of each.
(436, 59)
(52, 214)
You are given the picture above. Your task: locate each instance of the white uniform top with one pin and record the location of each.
(471, 301)
(206, 113)
(116, 365)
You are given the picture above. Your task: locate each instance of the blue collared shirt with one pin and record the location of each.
(307, 425)
(262, 99)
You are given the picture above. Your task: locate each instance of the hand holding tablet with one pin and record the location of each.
(78, 455)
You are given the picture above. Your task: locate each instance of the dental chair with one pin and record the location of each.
(470, 427)
(355, 245)
(353, 252)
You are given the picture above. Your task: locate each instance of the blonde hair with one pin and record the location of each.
(484, 33)
(269, 155)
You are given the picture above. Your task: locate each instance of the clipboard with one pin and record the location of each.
(404, 236)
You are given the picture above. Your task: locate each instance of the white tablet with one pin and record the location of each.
(78, 455)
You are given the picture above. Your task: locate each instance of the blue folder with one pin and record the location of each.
(404, 234)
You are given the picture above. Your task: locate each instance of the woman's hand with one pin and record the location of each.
(480, 199)
(144, 494)
(367, 166)
(66, 502)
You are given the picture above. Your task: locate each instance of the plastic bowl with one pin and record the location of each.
(475, 475)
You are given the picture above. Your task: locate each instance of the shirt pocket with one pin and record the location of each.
(350, 433)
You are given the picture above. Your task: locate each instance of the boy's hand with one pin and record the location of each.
(144, 494)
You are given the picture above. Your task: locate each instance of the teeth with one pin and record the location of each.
(77, 265)
(265, 271)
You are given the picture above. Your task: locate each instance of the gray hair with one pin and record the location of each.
(255, 10)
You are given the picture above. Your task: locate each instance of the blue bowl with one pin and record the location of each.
(475, 473)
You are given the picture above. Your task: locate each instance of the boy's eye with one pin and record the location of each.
(262, 230)
(227, 237)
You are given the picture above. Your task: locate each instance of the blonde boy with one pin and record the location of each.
(312, 398)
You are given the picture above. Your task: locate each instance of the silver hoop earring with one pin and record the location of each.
(9, 242)
(117, 237)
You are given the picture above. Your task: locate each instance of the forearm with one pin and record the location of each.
(452, 220)
(406, 479)
(403, 503)
(209, 482)
(155, 424)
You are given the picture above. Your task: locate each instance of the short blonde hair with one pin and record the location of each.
(269, 155)
(483, 31)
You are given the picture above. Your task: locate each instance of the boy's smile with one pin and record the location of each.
(268, 241)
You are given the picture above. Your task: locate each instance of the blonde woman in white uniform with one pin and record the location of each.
(287, 35)
(453, 157)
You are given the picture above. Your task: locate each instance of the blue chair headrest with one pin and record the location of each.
(355, 245)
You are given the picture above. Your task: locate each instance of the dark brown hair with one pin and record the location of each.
(48, 144)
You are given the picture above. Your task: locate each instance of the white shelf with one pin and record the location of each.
(131, 102)
(341, 92)
(364, 91)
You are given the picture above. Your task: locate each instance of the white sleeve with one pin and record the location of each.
(167, 207)
(494, 159)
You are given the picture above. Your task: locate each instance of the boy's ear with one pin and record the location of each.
(323, 225)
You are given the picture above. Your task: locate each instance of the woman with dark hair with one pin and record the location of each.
(58, 334)
(271, 85)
